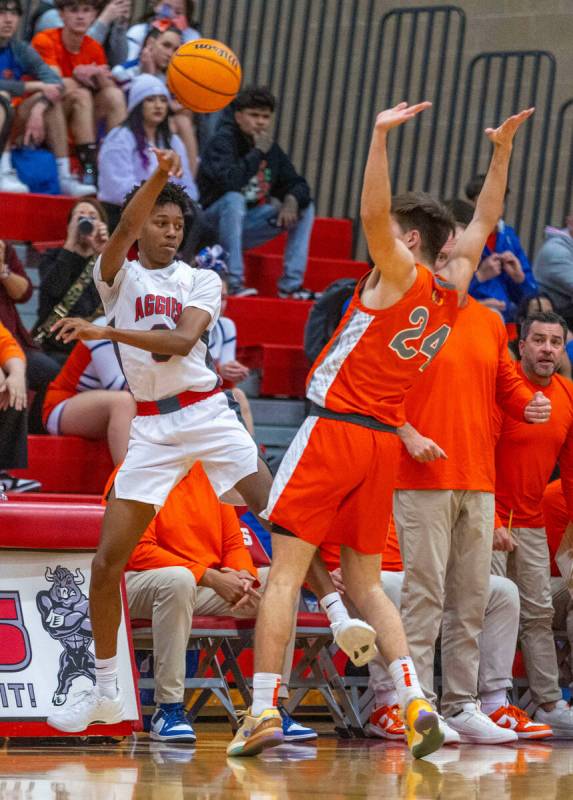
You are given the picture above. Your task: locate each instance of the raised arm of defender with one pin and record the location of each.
(392, 258)
(466, 255)
(136, 212)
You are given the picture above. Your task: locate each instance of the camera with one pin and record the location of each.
(85, 226)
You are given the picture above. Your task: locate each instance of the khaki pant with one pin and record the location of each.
(169, 597)
(445, 539)
(528, 566)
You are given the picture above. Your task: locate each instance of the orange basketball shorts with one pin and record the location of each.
(335, 483)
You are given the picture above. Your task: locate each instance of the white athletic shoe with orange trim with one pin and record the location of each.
(515, 719)
(386, 722)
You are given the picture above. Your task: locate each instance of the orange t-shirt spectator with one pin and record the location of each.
(51, 47)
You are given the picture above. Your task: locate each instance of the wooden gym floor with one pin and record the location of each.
(332, 768)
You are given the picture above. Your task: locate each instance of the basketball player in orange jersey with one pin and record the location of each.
(346, 453)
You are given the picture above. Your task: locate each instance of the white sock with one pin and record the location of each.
(491, 701)
(106, 676)
(265, 691)
(283, 692)
(334, 608)
(63, 165)
(405, 680)
(6, 161)
(385, 697)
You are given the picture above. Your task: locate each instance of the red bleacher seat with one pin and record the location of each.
(330, 238)
(68, 464)
(263, 270)
(265, 320)
(41, 525)
(283, 368)
(33, 217)
(55, 497)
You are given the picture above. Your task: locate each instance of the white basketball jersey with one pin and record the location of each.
(147, 299)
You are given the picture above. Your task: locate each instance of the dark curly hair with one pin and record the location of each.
(171, 193)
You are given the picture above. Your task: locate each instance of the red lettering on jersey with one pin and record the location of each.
(168, 307)
(138, 309)
(149, 304)
(160, 304)
(176, 310)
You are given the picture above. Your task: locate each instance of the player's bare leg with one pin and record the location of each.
(361, 576)
(355, 637)
(255, 488)
(123, 525)
(262, 725)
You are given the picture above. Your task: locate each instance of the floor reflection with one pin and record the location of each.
(145, 770)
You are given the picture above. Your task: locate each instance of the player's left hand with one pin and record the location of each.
(538, 409)
(71, 328)
(169, 161)
(503, 135)
(392, 117)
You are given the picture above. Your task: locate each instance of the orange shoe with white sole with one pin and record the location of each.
(515, 719)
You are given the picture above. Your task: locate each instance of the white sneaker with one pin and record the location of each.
(560, 719)
(450, 735)
(357, 639)
(87, 708)
(10, 182)
(73, 187)
(474, 727)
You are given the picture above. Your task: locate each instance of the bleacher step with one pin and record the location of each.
(278, 412)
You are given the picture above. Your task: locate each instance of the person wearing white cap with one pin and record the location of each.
(125, 156)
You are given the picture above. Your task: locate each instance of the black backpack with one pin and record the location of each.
(325, 315)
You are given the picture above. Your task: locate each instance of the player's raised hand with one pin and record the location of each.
(169, 162)
(71, 328)
(392, 117)
(504, 134)
(538, 409)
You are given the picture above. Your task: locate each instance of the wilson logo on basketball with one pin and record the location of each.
(220, 51)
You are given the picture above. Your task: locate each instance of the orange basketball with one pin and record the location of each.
(204, 75)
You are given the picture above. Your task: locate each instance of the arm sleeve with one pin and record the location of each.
(229, 343)
(221, 164)
(290, 182)
(108, 293)
(38, 68)
(15, 265)
(106, 365)
(511, 393)
(9, 347)
(206, 294)
(44, 46)
(99, 31)
(553, 267)
(566, 469)
(235, 554)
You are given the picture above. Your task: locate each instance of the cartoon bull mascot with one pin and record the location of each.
(64, 611)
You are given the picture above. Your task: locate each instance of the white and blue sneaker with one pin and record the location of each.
(293, 731)
(170, 724)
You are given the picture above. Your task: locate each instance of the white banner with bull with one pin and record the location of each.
(46, 645)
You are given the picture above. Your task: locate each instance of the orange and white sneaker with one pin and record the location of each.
(423, 731)
(256, 734)
(515, 719)
(386, 722)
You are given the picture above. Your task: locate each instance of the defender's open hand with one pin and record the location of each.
(503, 135)
(398, 115)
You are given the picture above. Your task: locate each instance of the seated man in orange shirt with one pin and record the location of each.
(90, 93)
(193, 559)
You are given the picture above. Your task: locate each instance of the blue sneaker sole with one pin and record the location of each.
(177, 739)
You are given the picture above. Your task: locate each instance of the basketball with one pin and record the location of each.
(204, 75)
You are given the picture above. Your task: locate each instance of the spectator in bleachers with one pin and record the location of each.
(553, 268)
(496, 649)
(252, 193)
(192, 559)
(16, 287)
(556, 518)
(158, 49)
(66, 285)
(125, 157)
(223, 338)
(87, 398)
(109, 28)
(90, 93)
(31, 109)
(504, 272)
(179, 13)
(525, 458)
(13, 418)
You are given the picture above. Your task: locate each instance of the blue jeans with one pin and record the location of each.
(240, 228)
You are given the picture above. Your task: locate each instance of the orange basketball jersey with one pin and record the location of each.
(375, 356)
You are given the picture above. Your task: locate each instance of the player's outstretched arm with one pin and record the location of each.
(391, 257)
(466, 255)
(136, 212)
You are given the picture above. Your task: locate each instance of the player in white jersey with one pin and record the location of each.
(159, 313)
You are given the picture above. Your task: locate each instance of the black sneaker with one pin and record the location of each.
(8, 483)
(243, 291)
(297, 294)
